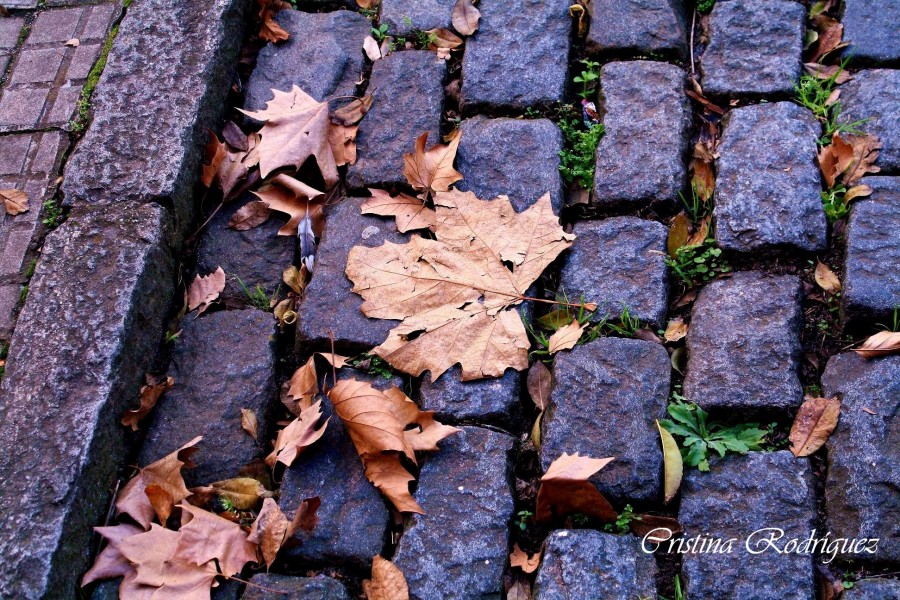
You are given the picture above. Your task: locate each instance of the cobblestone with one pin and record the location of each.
(872, 95)
(627, 382)
(744, 345)
(459, 547)
(619, 262)
(578, 563)
(651, 27)
(871, 286)
(768, 185)
(312, 588)
(500, 71)
(406, 16)
(754, 48)
(740, 495)
(323, 56)
(862, 489)
(874, 589)
(641, 158)
(514, 157)
(871, 28)
(409, 98)
(487, 400)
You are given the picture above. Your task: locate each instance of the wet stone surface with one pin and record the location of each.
(606, 397)
(486, 400)
(744, 343)
(311, 588)
(768, 184)
(323, 56)
(862, 491)
(873, 95)
(514, 157)
(458, 548)
(871, 285)
(499, 70)
(328, 306)
(406, 16)
(409, 97)
(578, 563)
(641, 158)
(619, 262)
(222, 362)
(754, 48)
(640, 27)
(871, 28)
(740, 495)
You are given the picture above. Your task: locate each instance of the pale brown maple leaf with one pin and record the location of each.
(300, 433)
(110, 563)
(296, 199)
(150, 394)
(205, 289)
(410, 213)
(205, 536)
(527, 562)
(432, 171)
(565, 489)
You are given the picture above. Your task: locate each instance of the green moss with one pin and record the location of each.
(83, 116)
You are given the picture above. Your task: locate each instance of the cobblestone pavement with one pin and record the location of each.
(92, 318)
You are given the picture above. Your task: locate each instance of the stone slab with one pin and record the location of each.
(407, 16)
(222, 362)
(641, 158)
(105, 283)
(458, 548)
(862, 489)
(871, 284)
(311, 588)
(873, 29)
(619, 262)
(486, 400)
(514, 157)
(873, 95)
(607, 396)
(329, 306)
(499, 70)
(641, 27)
(873, 589)
(10, 28)
(578, 563)
(768, 182)
(408, 91)
(150, 117)
(754, 48)
(744, 343)
(323, 56)
(739, 496)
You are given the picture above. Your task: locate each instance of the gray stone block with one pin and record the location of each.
(871, 287)
(408, 90)
(94, 317)
(873, 29)
(873, 589)
(641, 158)
(768, 183)
(323, 56)
(319, 587)
(515, 157)
(222, 362)
(150, 117)
(744, 343)
(619, 262)
(862, 489)
(458, 548)
(578, 564)
(329, 306)
(754, 48)
(406, 16)
(519, 55)
(622, 27)
(485, 400)
(607, 396)
(872, 95)
(742, 495)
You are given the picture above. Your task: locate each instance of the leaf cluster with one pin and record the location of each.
(625, 325)
(588, 78)
(696, 264)
(817, 94)
(576, 162)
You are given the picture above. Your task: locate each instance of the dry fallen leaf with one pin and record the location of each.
(150, 394)
(342, 140)
(214, 155)
(701, 232)
(520, 590)
(674, 464)
(676, 330)
(830, 33)
(565, 489)
(249, 422)
(269, 530)
(387, 581)
(236, 165)
(849, 157)
(815, 421)
(205, 290)
(296, 199)
(432, 171)
(370, 47)
(827, 72)
(465, 17)
(243, 492)
(455, 293)
(270, 30)
(443, 39)
(15, 202)
(678, 233)
(834, 159)
(520, 558)
(566, 337)
(301, 433)
(826, 278)
(304, 385)
(110, 563)
(353, 112)
(253, 214)
(857, 191)
(540, 383)
(880, 344)
(205, 537)
(410, 213)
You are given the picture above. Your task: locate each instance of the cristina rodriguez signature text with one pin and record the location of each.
(768, 539)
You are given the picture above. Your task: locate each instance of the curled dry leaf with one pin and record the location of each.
(565, 489)
(857, 191)
(296, 199)
(243, 492)
(880, 344)
(269, 531)
(566, 337)
(432, 171)
(827, 72)
(253, 214)
(205, 537)
(520, 558)
(826, 278)
(304, 385)
(465, 17)
(249, 422)
(110, 563)
(679, 233)
(342, 139)
(849, 157)
(15, 202)
(443, 39)
(270, 30)
(700, 233)
(370, 47)
(674, 465)
(367, 3)
(815, 421)
(387, 583)
(150, 394)
(830, 33)
(676, 330)
(205, 290)
(409, 213)
(353, 112)
(294, 279)
(214, 155)
(540, 383)
(236, 165)
(234, 137)
(834, 159)
(300, 433)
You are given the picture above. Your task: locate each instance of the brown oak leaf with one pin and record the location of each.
(410, 213)
(205, 290)
(565, 489)
(150, 394)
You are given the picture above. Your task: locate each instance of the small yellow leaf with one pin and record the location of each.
(249, 422)
(676, 330)
(826, 278)
(566, 337)
(674, 466)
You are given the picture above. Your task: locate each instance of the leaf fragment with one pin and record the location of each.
(813, 424)
(249, 422)
(149, 395)
(565, 489)
(566, 337)
(387, 582)
(675, 330)
(527, 562)
(880, 344)
(15, 202)
(253, 214)
(409, 213)
(540, 383)
(826, 278)
(296, 199)
(353, 112)
(465, 17)
(432, 171)
(205, 290)
(300, 433)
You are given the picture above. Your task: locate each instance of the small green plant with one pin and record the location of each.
(407, 20)
(705, 6)
(369, 13)
(895, 326)
(626, 326)
(833, 203)
(372, 364)
(380, 32)
(588, 78)
(171, 336)
(23, 293)
(257, 296)
(522, 519)
(695, 207)
(699, 435)
(29, 270)
(83, 112)
(576, 162)
(623, 521)
(53, 214)
(425, 39)
(696, 264)
(815, 94)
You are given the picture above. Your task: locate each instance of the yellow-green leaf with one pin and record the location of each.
(674, 466)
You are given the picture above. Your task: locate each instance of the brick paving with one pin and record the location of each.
(107, 277)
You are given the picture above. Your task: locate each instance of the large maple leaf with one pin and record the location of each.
(455, 294)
